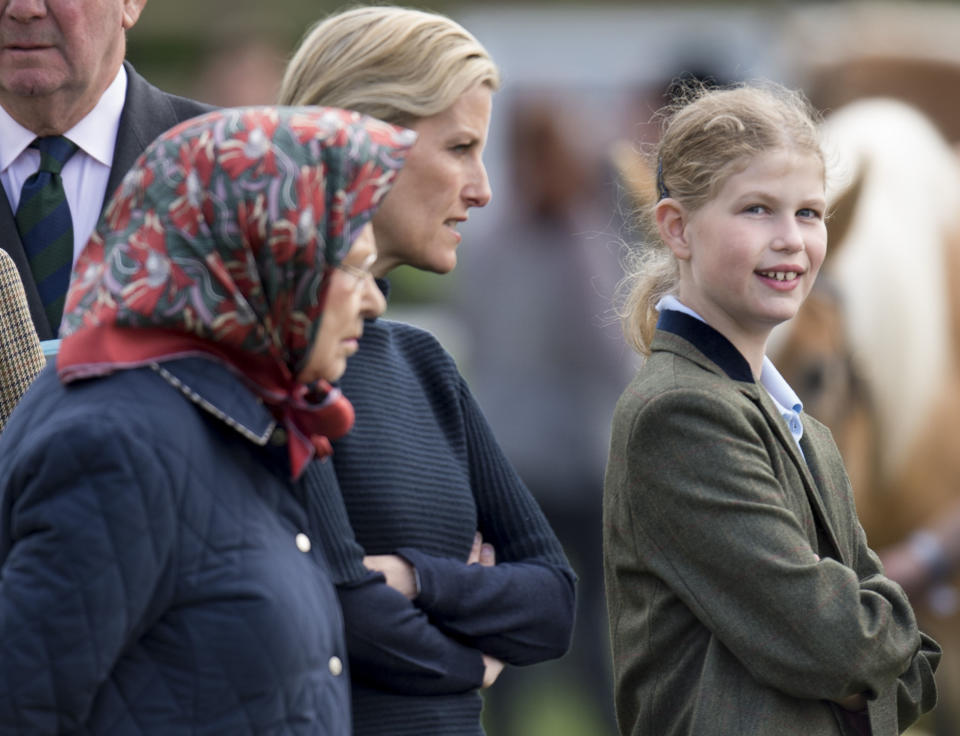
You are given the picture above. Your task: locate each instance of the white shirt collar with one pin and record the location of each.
(14, 139)
(95, 134)
(671, 302)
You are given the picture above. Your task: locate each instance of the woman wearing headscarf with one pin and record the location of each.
(159, 574)
(429, 494)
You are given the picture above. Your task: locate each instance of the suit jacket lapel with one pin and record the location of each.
(146, 114)
(11, 243)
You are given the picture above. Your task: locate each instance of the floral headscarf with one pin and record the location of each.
(219, 241)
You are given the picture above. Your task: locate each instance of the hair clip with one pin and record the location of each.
(662, 191)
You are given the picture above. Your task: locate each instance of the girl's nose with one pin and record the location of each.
(790, 236)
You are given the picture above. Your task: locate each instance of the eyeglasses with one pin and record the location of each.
(359, 274)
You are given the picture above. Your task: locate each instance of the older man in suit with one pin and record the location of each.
(73, 118)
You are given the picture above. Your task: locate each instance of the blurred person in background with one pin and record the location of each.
(547, 364)
(73, 118)
(240, 69)
(158, 570)
(474, 574)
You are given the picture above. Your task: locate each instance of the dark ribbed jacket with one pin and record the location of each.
(420, 473)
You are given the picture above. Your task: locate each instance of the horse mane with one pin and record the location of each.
(891, 265)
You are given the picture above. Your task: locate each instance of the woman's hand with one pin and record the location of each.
(484, 554)
(402, 577)
(492, 667)
(481, 554)
(399, 573)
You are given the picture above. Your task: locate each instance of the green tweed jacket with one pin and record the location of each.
(742, 595)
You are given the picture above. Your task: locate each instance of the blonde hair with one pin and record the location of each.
(707, 136)
(393, 63)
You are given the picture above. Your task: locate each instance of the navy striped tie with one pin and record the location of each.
(46, 230)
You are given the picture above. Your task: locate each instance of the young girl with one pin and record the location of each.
(743, 598)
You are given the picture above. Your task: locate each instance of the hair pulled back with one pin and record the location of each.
(392, 63)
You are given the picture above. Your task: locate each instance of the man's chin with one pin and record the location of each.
(28, 82)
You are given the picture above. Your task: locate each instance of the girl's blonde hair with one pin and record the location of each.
(392, 63)
(707, 136)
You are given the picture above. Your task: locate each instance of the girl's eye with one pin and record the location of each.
(461, 147)
(809, 213)
(756, 209)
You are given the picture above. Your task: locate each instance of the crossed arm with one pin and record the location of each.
(402, 577)
(471, 615)
(809, 627)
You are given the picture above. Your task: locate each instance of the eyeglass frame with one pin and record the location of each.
(359, 274)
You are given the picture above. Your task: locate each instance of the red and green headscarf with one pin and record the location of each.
(219, 242)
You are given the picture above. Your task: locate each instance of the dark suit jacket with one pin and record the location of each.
(742, 595)
(147, 112)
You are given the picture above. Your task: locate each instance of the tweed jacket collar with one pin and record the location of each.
(705, 346)
(714, 346)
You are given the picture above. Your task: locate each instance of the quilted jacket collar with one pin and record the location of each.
(218, 390)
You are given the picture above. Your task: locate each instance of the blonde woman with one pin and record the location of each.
(431, 498)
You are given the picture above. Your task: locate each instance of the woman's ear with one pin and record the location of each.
(672, 223)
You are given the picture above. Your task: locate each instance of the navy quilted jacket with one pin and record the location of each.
(158, 575)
